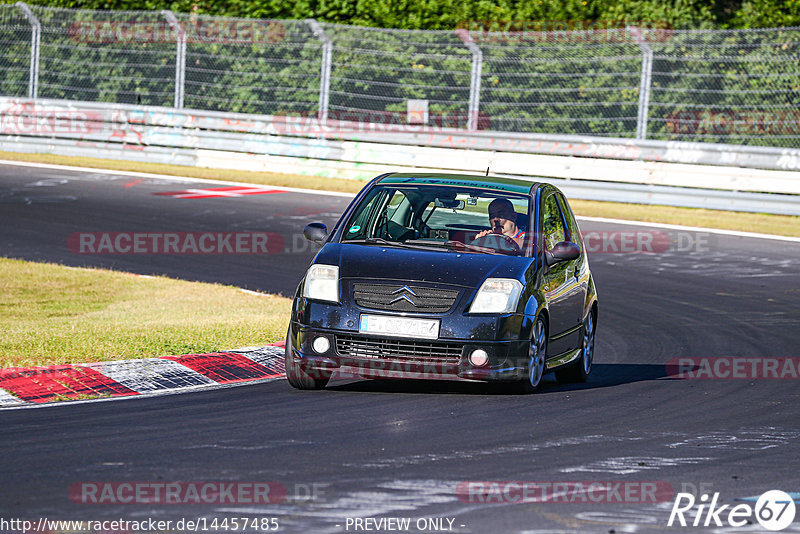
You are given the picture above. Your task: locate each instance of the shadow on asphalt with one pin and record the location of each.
(602, 376)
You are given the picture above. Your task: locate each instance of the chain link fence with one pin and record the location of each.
(15, 51)
(375, 72)
(562, 82)
(251, 66)
(106, 56)
(727, 87)
(739, 87)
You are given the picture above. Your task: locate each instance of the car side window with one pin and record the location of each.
(573, 232)
(358, 227)
(553, 224)
(397, 209)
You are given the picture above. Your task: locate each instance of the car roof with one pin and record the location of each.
(462, 180)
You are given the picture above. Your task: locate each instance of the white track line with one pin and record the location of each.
(350, 195)
(171, 177)
(691, 228)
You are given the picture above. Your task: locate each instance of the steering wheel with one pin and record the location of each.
(506, 244)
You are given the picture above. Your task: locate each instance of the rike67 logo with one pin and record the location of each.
(774, 510)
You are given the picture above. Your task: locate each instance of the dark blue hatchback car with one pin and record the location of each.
(446, 277)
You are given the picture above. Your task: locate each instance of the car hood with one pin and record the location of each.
(412, 265)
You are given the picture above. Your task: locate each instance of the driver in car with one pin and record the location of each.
(503, 220)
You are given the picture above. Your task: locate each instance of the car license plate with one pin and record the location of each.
(399, 326)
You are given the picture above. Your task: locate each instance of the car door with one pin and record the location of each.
(558, 281)
(577, 281)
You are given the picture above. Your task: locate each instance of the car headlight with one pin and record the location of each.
(322, 283)
(497, 295)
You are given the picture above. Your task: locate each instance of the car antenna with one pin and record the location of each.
(487, 171)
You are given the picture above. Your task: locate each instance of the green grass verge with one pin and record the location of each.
(728, 220)
(52, 314)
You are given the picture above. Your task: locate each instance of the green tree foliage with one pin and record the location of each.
(448, 14)
(696, 14)
(767, 13)
(714, 86)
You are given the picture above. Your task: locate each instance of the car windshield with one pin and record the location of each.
(441, 217)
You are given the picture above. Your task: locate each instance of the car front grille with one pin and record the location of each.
(366, 348)
(402, 298)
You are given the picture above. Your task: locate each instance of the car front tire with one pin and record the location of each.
(537, 354)
(579, 370)
(297, 376)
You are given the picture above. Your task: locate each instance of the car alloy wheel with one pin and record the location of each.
(578, 371)
(588, 343)
(537, 353)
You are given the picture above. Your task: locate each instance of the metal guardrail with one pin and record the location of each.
(117, 118)
(724, 86)
(578, 189)
(597, 168)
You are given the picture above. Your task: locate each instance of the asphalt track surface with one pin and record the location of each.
(397, 448)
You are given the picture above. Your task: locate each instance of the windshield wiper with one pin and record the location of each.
(376, 241)
(428, 242)
(382, 241)
(457, 246)
(401, 244)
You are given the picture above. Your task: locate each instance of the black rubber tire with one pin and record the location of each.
(537, 355)
(299, 378)
(579, 370)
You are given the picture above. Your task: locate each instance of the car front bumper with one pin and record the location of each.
(363, 356)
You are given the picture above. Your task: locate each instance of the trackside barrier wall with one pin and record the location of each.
(687, 174)
(643, 81)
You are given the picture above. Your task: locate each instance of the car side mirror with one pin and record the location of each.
(563, 251)
(316, 232)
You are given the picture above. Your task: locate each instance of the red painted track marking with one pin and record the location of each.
(43, 384)
(225, 367)
(220, 192)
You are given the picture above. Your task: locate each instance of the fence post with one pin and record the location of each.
(644, 83)
(180, 56)
(475, 78)
(36, 38)
(325, 71)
